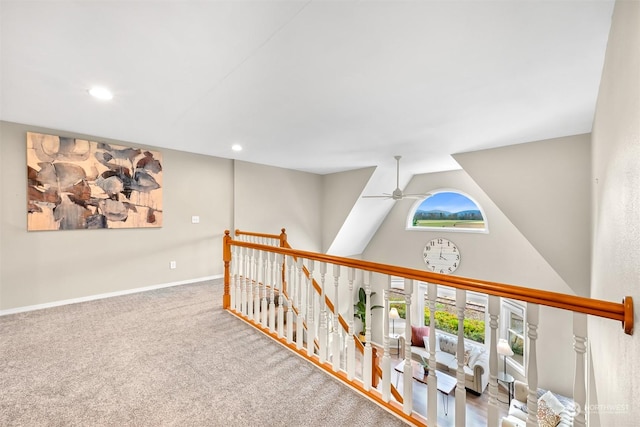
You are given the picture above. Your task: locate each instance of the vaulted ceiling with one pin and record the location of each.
(319, 86)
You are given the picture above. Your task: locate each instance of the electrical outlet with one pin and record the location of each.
(172, 265)
(195, 219)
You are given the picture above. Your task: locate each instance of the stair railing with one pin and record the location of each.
(263, 265)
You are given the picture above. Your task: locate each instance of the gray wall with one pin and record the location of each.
(267, 199)
(502, 255)
(48, 267)
(616, 229)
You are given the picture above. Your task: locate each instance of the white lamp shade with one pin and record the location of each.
(504, 349)
(393, 313)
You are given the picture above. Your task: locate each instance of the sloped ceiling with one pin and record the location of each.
(547, 197)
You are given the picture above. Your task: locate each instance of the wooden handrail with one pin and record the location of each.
(622, 312)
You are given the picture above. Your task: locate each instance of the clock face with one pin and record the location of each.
(441, 256)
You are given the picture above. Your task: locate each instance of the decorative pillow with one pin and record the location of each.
(549, 408)
(553, 402)
(467, 356)
(473, 357)
(426, 343)
(417, 335)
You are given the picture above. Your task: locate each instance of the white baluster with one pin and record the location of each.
(322, 332)
(234, 277)
(311, 326)
(335, 336)
(250, 282)
(386, 357)
(432, 383)
(243, 306)
(532, 365)
(264, 258)
(367, 367)
(273, 260)
(407, 394)
(256, 278)
(494, 313)
(281, 262)
(290, 290)
(300, 318)
(461, 393)
(579, 381)
(238, 279)
(351, 345)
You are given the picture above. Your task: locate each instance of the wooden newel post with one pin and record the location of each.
(283, 238)
(226, 257)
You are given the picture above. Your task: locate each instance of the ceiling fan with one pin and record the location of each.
(397, 193)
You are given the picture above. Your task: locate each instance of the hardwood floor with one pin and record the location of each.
(476, 413)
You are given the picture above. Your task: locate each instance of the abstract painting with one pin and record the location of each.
(80, 184)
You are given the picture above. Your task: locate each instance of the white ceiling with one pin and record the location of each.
(318, 86)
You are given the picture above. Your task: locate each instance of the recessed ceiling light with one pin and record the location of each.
(236, 147)
(100, 92)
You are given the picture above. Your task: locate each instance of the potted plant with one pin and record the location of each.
(360, 310)
(425, 365)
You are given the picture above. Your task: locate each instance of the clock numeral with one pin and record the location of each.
(458, 257)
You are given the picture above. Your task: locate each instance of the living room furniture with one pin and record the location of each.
(555, 407)
(476, 366)
(507, 380)
(445, 384)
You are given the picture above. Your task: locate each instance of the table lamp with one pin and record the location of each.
(393, 315)
(504, 349)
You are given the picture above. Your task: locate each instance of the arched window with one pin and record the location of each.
(447, 210)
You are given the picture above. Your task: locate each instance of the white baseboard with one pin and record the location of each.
(106, 295)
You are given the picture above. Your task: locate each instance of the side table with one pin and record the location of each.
(397, 338)
(507, 380)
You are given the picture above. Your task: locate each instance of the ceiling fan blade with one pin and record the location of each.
(416, 196)
(377, 197)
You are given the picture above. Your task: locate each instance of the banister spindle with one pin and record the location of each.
(367, 368)
(532, 365)
(323, 331)
(256, 280)
(243, 306)
(386, 356)
(407, 379)
(273, 260)
(461, 394)
(311, 325)
(301, 318)
(351, 345)
(579, 382)
(494, 313)
(290, 272)
(335, 334)
(250, 283)
(234, 277)
(264, 302)
(280, 261)
(432, 383)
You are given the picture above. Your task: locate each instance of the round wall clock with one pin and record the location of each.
(441, 256)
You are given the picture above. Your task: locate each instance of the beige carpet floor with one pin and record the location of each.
(167, 357)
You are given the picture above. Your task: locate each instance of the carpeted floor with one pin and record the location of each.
(163, 358)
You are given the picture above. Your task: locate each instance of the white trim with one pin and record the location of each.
(105, 295)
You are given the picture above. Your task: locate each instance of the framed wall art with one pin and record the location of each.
(75, 183)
